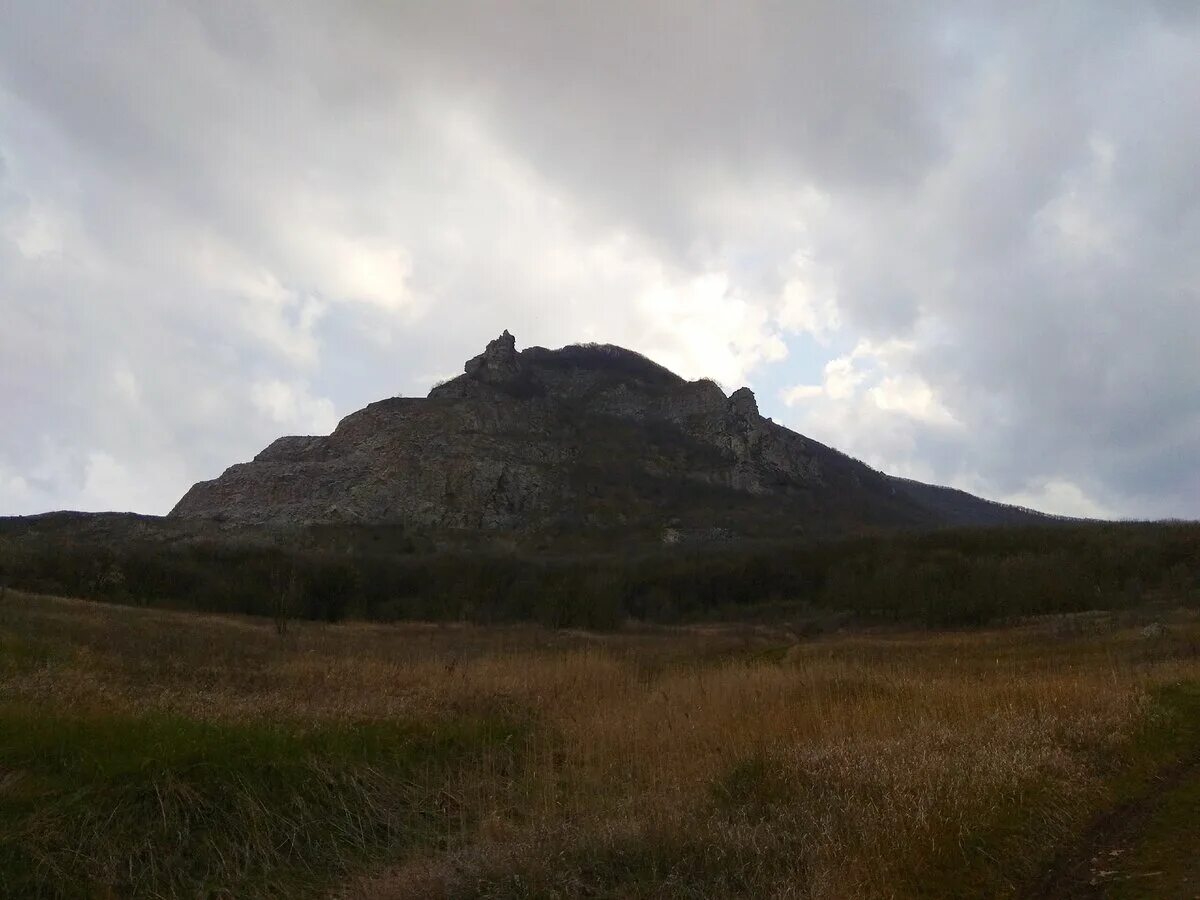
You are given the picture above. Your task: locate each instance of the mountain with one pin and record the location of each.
(582, 438)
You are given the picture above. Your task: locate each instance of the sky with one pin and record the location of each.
(957, 240)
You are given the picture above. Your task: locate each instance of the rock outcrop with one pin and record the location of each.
(498, 363)
(582, 437)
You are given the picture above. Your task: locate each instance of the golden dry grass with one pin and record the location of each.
(672, 762)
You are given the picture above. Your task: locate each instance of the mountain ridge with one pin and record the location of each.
(583, 437)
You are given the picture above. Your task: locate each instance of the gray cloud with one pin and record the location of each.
(224, 220)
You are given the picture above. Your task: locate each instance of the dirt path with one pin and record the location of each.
(1148, 847)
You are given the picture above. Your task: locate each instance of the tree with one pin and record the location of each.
(283, 597)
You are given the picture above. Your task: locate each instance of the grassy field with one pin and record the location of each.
(152, 753)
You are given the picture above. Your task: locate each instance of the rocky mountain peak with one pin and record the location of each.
(499, 362)
(585, 436)
(743, 403)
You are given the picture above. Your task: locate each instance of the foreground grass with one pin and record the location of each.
(1145, 842)
(157, 754)
(1162, 858)
(1165, 859)
(158, 804)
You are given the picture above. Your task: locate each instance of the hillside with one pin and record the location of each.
(581, 438)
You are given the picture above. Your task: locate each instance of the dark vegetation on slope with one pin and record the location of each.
(938, 579)
(606, 357)
(960, 508)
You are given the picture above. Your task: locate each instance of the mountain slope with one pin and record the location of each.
(578, 438)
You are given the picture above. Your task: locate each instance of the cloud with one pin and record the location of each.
(291, 406)
(956, 240)
(1061, 497)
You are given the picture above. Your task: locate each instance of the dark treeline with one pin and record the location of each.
(938, 579)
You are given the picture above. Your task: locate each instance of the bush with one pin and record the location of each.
(942, 579)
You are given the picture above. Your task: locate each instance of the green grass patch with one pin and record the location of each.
(1142, 841)
(1164, 859)
(1019, 841)
(1170, 733)
(161, 805)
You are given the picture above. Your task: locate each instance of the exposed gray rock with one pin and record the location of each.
(743, 404)
(497, 364)
(1154, 630)
(589, 435)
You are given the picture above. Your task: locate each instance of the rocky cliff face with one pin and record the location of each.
(585, 436)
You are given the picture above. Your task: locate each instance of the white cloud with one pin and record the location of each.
(842, 377)
(291, 406)
(801, 392)
(109, 484)
(1061, 498)
(1079, 221)
(15, 493)
(126, 386)
(38, 233)
(703, 327)
(912, 396)
(809, 302)
(217, 223)
(878, 374)
(100, 483)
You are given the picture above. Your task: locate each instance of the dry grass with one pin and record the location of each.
(684, 762)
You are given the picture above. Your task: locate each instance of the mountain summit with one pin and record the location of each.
(585, 437)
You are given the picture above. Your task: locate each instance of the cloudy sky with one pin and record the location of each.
(960, 241)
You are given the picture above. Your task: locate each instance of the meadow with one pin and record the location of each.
(157, 753)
